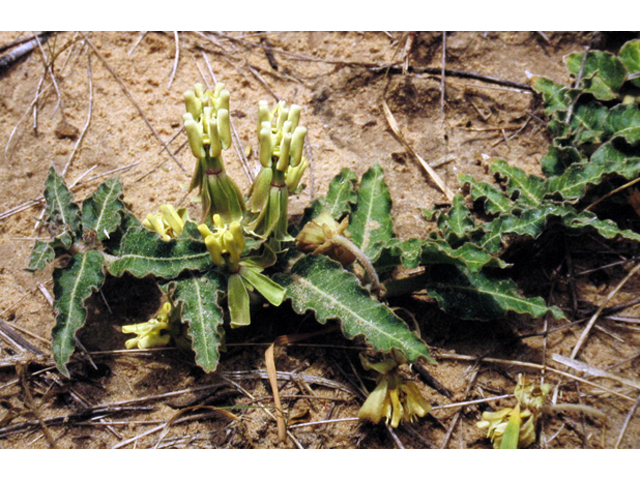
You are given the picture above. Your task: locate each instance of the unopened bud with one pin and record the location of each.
(224, 128)
(297, 145)
(194, 134)
(266, 147)
(294, 116)
(192, 104)
(285, 146)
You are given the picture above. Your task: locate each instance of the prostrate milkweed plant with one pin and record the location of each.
(242, 245)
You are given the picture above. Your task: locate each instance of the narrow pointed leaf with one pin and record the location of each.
(238, 299)
(319, 284)
(476, 296)
(102, 210)
(61, 213)
(371, 222)
(269, 289)
(143, 252)
(72, 286)
(198, 297)
(511, 434)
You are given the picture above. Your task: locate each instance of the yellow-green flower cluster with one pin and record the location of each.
(225, 244)
(281, 138)
(524, 416)
(281, 148)
(393, 399)
(207, 120)
(208, 128)
(149, 334)
(168, 223)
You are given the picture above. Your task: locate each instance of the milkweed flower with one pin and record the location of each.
(208, 129)
(393, 399)
(149, 334)
(282, 165)
(525, 415)
(226, 244)
(169, 223)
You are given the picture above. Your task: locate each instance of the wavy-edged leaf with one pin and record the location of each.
(555, 96)
(142, 252)
(606, 228)
(530, 222)
(322, 285)
(72, 286)
(588, 123)
(198, 298)
(413, 252)
(603, 73)
(624, 121)
(529, 188)
(457, 223)
(558, 158)
(630, 55)
(340, 197)
(475, 296)
(102, 210)
(371, 223)
(41, 256)
(61, 213)
(495, 201)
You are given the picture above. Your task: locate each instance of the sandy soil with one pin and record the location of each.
(116, 100)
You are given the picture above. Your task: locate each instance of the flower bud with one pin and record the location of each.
(285, 146)
(266, 146)
(297, 145)
(294, 116)
(192, 104)
(194, 134)
(224, 128)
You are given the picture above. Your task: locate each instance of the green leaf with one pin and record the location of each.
(476, 296)
(143, 252)
(587, 123)
(102, 210)
(414, 252)
(529, 188)
(41, 256)
(530, 222)
(511, 435)
(624, 121)
(269, 289)
(371, 222)
(606, 228)
(198, 297)
(603, 73)
(630, 55)
(61, 213)
(238, 300)
(555, 96)
(457, 224)
(72, 286)
(339, 199)
(558, 158)
(322, 285)
(495, 201)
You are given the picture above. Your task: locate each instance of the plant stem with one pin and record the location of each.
(362, 259)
